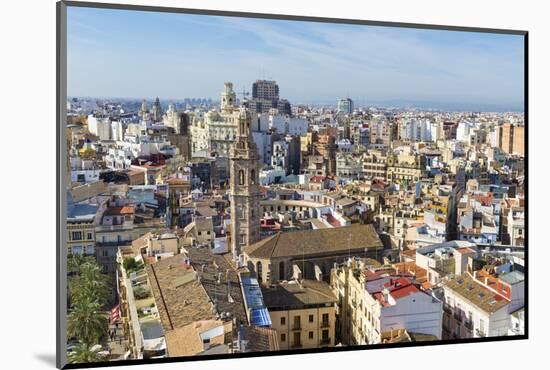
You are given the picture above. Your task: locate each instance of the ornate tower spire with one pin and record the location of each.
(244, 189)
(228, 98)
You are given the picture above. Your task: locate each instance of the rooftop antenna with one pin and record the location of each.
(245, 93)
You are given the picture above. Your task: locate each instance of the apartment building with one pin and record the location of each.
(303, 312)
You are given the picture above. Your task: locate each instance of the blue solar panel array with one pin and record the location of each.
(259, 315)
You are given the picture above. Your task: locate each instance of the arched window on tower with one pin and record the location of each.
(259, 271)
(241, 177)
(253, 177)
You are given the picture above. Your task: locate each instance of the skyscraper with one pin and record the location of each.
(345, 106)
(264, 89)
(244, 193)
(265, 96)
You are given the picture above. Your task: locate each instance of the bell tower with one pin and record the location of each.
(228, 98)
(244, 194)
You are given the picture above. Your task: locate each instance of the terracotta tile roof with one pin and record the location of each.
(180, 297)
(260, 339)
(377, 274)
(474, 292)
(119, 210)
(427, 285)
(315, 242)
(398, 288)
(333, 221)
(465, 250)
(186, 341)
(211, 267)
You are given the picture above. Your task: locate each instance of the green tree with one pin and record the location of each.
(75, 263)
(84, 353)
(86, 322)
(90, 285)
(129, 263)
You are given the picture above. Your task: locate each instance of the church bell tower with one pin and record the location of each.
(244, 188)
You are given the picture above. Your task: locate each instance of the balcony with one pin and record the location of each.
(296, 326)
(325, 324)
(296, 345)
(325, 341)
(447, 309)
(469, 324)
(457, 316)
(480, 333)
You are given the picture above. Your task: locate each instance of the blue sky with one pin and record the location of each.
(120, 53)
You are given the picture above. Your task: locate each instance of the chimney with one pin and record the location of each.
(385, 294)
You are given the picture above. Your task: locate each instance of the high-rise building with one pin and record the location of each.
(345, 106)
(244, 193)
(265, 97)
(510, 138)
(264, 89)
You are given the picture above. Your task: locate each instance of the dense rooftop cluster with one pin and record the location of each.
(257, 225)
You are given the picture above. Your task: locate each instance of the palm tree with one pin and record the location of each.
(86, 322)
(90, 285)
(85, 353)
(75, 263)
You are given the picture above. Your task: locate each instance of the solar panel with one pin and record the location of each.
(259, 315)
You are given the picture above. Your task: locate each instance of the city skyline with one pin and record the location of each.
(111, 53)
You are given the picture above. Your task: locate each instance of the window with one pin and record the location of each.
(310, 335)
(90, 250)
(252, 176)
(89, 236)
(259, 271)
(77, 235)
(325, 335)
(283, 320)
(283, 337)
(310, 318)
(297, 322)
(241, 177)
(325, 317)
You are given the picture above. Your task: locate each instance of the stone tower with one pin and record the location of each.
(143, 112)
(157, 110)
(228, 97)
(244, 192)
